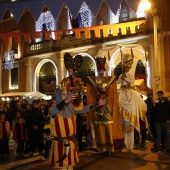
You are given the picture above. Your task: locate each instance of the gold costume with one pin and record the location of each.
(105, 123)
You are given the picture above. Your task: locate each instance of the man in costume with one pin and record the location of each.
(132, 106)
(75, 85)
(106, 126)
(63, 154)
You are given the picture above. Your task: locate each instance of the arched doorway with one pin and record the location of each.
(116, 57)
(46, 77)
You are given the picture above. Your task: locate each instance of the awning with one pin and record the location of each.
(34, 94)
(36, 6)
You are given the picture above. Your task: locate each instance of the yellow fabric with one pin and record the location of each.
(103, 133)
(113, 103)
(73, 156)
(57, 149)
(134, 119)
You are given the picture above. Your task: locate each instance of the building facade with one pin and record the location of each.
(34, 39)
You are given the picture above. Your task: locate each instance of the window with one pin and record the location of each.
(14, 78)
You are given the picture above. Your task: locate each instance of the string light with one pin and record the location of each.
(8, 60)
(86, 16)
(48, 20)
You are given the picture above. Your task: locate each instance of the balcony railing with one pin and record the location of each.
(69, 41)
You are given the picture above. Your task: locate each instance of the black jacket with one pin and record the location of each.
(162, 111)
(35, 117)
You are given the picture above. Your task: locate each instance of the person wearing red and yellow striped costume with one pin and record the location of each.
(63, 154)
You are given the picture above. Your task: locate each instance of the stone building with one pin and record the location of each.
(35, 35)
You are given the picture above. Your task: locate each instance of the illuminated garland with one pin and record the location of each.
(8, 60)
(86, 16)
(49, 21)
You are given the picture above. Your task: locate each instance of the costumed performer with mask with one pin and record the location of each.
(63, 153)
(132, 106)
(105, 125)
(75, 85)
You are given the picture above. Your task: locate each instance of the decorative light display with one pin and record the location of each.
(86, 16)
(141, 13)
(143, 5)
(69, 18)
(8, 60)
(46, 19)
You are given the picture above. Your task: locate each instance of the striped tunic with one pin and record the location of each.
(63, 127)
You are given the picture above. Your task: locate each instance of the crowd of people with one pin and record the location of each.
(25, 122)
(113, 118)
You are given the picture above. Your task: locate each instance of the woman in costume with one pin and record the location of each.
(132, 106)
(106, 127)
(63, 154)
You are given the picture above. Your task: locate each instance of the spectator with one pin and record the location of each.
(20, 109)
(4, 135)
(35, 126)
(20, 136)
(162, 121)
(150, 115)
(8, 113)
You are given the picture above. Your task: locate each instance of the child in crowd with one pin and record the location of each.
(47, 137)
(20, 136)
(4, 135)
(15, 121)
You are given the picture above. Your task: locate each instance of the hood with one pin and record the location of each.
(58, 96)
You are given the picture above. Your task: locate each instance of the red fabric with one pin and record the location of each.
(16, 38)
(47, 35)
(27, 37)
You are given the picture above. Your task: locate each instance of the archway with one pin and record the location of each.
(139, 54)
(140, 67)
(37, 75)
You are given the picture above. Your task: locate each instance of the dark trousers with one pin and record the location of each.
(47, 143)
(20, 148)
(47, 149)
(162, 129)
(36, 140)
(82, 132)
(143, 137)
(4, 146)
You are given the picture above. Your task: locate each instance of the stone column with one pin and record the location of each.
(29, 75)
(61, 68)
(152, 70)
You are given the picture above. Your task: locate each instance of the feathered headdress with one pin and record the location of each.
(72, 63)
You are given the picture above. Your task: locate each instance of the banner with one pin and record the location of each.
(107, 30)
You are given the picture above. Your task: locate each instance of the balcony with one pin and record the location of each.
(70, 41)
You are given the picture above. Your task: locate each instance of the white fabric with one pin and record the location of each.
(131, 102)
(129, 140)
